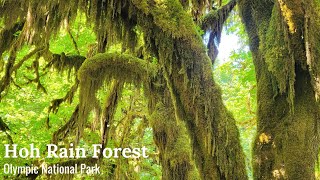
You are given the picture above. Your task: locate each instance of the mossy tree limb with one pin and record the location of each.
(6, 79)
(195, 97)
(106, 67)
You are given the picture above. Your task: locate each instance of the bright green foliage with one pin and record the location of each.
(150, 46)
(237, 80)
(25, 111)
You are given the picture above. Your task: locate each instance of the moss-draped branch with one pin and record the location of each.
(103, 68)
(195, 97)
(213, 23)
(123, 67)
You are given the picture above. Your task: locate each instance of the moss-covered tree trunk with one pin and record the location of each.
(286, 143)
(196, 98)
(172, 141)
(214, 135)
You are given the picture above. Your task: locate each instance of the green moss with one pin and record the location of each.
(112, 65)
(65, 63)
(174, 144)
(312, 43)
(175, 21)
(288, 153)
(105, 67)
(171, 36)
(276, 49)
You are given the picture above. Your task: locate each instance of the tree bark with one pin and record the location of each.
(286, 144)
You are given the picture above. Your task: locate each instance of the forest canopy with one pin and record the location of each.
(144, 73)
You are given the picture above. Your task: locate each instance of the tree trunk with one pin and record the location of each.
(286, 143)
(173, 143)
(196, 99)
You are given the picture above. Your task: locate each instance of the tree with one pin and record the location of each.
(161, 50)
(284, 40)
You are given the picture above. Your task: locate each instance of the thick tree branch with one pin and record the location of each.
(188, 74)
(113, 65)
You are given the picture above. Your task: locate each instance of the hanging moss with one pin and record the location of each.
(105, 67)
(285, 146)
(55, 104)
(109, 110)
(213, 23)
(312, 42)
(62, 62)
(172, 38)
(66, 129)
(8, 35)
(38, 51)
(214, 20)
(6, 79)
(40, 17)
(111, 24)
(173, 143)
(278, 56)
(11, 42)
